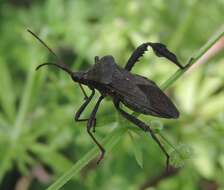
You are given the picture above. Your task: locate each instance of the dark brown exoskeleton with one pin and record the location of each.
(136, 92)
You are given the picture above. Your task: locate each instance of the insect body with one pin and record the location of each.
(136, 92)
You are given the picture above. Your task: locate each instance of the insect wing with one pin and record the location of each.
(159, 102)
(142, 95)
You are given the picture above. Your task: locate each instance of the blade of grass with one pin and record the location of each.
(7, 96)
(111, 140)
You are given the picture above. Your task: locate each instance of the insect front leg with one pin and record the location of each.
(144, 127)
(83, 91)
(91, 124)
(83, 106)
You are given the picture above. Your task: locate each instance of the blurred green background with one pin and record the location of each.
(39, 139)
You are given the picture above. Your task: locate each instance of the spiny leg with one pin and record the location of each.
(144, 127)
(138, 52)
(159, 49)
(91, 124)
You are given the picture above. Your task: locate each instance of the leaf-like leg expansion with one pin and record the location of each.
(145, 128)
(138, 52)
(91, 124)
(159, 49)
(83, 106)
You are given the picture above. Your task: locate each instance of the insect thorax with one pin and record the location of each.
(102, 71)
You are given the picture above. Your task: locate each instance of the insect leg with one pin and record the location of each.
(83, 91)
(159, 49)
(145, 128)
(138, 52)
(91, 124)
(189, 63)
(83, 106)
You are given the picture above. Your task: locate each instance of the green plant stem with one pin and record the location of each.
(195, 57)
(111, 140)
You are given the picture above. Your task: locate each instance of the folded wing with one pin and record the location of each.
(142, 95)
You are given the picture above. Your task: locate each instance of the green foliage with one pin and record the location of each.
(37, 108)
(181, 153)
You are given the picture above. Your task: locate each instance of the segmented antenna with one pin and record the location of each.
(57, 65)
(43, 43)
(61, 66)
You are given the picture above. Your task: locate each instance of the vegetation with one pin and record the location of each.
(41, 145)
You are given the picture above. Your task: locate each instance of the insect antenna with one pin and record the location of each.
(44, 44)
(60, 65)
(57, 65)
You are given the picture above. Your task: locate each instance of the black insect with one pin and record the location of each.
(136, 92)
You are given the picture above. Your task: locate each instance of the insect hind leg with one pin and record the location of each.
(145, 128)
(159, 49)
(137, 53)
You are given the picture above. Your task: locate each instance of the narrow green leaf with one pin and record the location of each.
(137, 151)
(60, 163)
(5, 161)
(7, 96)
